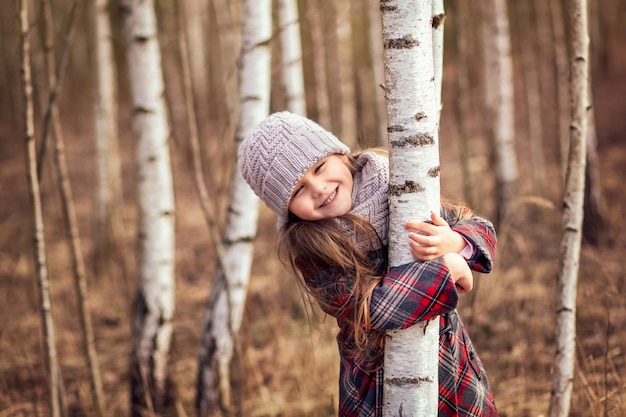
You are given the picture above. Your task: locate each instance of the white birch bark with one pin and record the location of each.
(567, 279)
(411, 355)
(154, 306)
(228, 294)
(291, 49)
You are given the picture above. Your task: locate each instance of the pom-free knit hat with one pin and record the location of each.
(280, 150)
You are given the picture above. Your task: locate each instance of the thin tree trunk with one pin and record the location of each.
(217, 390)
(410, 355)
(67, 202)
(500, 101)
(291, 48)
(153, 310)
(567, 280)
(109, 228)
(41, 263)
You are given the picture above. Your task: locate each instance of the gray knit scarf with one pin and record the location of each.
(370, 192)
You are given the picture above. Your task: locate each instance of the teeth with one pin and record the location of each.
(331, 197)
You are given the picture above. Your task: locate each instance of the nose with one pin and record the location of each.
(318, 186)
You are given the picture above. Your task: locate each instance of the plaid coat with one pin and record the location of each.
(408, 294)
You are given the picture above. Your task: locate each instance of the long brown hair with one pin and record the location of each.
(323, 256)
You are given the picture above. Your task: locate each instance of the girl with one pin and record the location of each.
(333, 219)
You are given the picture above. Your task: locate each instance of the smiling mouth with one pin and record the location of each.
(330, 198)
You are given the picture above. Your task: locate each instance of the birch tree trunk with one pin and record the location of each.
(567, 279)
(411, 356)
(291, 48)
(216, 388)
(108, 216)
(153, 310)
(500, 100)
(41, 263)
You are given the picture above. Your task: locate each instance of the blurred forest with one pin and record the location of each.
(290, 361)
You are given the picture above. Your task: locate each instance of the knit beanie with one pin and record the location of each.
(280, 150)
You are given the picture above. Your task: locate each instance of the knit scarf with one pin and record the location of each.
(370, 192)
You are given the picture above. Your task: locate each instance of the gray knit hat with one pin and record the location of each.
(279, 152)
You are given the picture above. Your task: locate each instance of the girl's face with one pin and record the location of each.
(324, 191)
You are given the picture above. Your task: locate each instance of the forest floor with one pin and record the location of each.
(290, 359)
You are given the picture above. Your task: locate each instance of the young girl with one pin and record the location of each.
(333, 226)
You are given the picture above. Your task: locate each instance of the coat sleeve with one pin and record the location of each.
(405, 295)
(482, 235)
(410, 293)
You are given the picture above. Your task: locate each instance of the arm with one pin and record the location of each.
(413, 292)
(406, 294)
(460, 272)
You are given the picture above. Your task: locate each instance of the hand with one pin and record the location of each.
(430, 241)
(459, 272)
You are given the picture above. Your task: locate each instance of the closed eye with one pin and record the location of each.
(317, 168)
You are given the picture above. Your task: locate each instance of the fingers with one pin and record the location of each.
(438, 220)
(423, 252)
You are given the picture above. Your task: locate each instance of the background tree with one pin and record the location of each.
(500, 100)
(563, 376)
(411, 355)
(55, 80)
(108, 222)
(153, 307)
(291, 56)
(45, 304)
(220, 344)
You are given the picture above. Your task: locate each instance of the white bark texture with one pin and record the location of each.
(411, 356)
(567, 280)
(291, 49)
(228, 295)
(154, 309)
